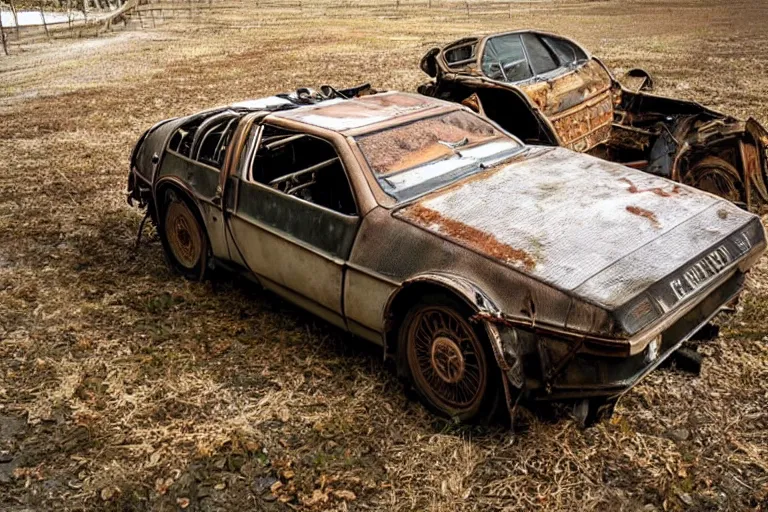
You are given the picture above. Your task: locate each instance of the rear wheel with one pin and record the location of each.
(717, 176)
(186, 244)
(448, 360)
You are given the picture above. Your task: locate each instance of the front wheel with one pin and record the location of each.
(186, 244)
(448, 360)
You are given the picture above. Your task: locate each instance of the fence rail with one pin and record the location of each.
(148, 13)
(90, 23)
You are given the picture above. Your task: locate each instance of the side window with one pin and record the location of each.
(504, 59)
(213, 144)
(181, 141)
(460, 55)
(567, 53)
(302, 166)
(541, 59)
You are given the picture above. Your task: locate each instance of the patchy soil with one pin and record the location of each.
(124, 387)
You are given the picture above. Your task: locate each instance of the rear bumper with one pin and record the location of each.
(590, 375)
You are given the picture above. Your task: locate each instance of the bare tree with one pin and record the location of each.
(15, 18)
(2, 31)
(42, 17)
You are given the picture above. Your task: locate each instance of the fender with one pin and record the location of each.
(512, 376)
(469, 293)
(175, 181)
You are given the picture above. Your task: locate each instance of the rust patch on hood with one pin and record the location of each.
(472, 238)
(655, 190)
(642, 212)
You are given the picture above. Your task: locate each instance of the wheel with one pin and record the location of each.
(184, 240)
(448, 360)
(715, 175)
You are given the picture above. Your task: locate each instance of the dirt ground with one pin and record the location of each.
(124, 387)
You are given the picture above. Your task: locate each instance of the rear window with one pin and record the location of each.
(542, 61)
(566, 52)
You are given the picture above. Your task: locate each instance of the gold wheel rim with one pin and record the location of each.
(446, 359)
(184, 236)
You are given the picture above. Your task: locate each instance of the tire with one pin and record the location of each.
(448, 360)
(716, 176)
(184, 239)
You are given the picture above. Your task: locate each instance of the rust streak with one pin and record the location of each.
(655, 190)
(642, 212)
(474, 238)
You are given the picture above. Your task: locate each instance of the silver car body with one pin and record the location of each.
(586, 274)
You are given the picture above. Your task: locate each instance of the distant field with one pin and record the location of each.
(124, 387)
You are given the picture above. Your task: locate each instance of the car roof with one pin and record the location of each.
(364, 113)
(481, 37)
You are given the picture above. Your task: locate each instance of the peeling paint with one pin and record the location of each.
(642, 212)
(475, 239)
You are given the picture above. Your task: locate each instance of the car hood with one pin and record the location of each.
(595, 229)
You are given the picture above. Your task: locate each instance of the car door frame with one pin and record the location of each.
(270, 231)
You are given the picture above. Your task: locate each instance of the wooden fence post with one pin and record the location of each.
(151, 14)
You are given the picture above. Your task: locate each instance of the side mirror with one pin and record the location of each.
(429, 62)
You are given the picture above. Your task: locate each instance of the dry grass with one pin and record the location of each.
(124, 387)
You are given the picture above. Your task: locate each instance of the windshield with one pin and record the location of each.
(411, 159)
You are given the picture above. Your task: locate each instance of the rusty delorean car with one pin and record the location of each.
(546, 89)
(488, 269)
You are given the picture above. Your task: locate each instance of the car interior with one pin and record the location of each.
(302, 166)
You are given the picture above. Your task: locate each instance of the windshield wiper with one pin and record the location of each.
(454, 145)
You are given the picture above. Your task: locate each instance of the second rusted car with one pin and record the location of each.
(488, 269)
(547, 89)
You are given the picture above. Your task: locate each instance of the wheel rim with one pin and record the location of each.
(446, 359)
(184, 236)
(715, 180)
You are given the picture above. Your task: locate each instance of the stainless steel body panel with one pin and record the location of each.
(562, 257)
(570, 219)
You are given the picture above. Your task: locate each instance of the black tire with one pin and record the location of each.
(716, 176)
(184, 239)
(448, 360)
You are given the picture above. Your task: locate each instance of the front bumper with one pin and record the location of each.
(576, 374)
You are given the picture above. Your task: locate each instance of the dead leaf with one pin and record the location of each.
(345, 495)
(318, 496)
(108, 493)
